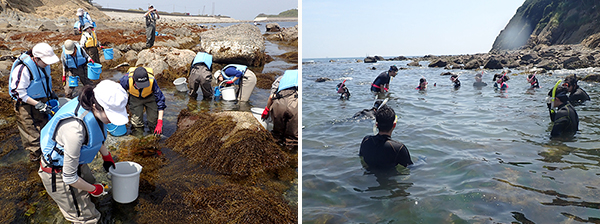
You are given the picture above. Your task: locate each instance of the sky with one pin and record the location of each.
(237, 9)
(390, 28)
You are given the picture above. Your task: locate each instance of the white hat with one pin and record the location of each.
(79, 12)
(69, 46)
(45, 52)
(113, 98)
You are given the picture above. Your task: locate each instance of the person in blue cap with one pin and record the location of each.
(381, 84)
(562, 114)
(200, 76)
(240, 75)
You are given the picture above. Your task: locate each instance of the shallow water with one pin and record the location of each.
(488, 155)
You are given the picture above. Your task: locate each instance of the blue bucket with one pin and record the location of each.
(116, 130)
(108, 53)
(54, 105)
(94, 70)
(73, 81)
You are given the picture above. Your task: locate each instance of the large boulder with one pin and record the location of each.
(161, 59)
(237, 44)
(273, 27)
(473, 64)
(48, 26)
(493, 63)
(414, 64)
(438, 64)
(370, 60)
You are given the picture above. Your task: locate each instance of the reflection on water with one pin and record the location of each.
(490, 158)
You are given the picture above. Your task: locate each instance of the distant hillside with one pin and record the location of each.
(50, 9)
(550, 22)
(288, 13)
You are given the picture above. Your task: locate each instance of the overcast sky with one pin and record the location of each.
(357, 28)
(237, 9)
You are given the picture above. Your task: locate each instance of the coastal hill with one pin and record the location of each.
(50, 9)
(551, 22)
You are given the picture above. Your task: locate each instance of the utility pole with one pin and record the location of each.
(213, 12)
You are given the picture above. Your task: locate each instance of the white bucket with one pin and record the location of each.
(228, 93)
(181, 84)
(125, 181)
(257, 113)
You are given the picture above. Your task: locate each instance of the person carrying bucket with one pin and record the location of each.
(71, 140)
(83, 17)
(381, 84)
(200, 76)
(234, 74)
(380, 151)
(562, 114)
(144, 94)
(74, 62)
(90, 41)
(30, 85)
(282, 106)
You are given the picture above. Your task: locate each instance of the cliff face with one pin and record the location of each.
(50, 9)
(550, 22)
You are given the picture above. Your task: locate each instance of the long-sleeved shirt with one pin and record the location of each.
(159, 96)
(20, 84)
(70, 134)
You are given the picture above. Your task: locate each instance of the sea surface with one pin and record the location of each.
(482, 156)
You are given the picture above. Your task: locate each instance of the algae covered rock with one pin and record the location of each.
(229, 143)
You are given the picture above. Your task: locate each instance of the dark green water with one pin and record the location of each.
(489, 156)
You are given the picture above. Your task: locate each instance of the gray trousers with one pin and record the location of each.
(247, 86)
(200, 78)
(150, 35)
(136, 108)
(30, 122)
(284, 112)
(65, 199)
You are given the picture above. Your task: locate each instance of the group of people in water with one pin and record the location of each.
(381, 152)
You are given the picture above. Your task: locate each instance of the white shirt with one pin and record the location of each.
(24, 81)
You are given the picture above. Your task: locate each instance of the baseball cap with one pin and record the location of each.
(45, 52)
(113, 98)
(79, 12)
(69, 46)
(140, 77)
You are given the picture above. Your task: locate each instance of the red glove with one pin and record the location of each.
(99, 191)
(108, 162)
(229, 82)
(92, 61)
(386, 89)
(64, 80)
(265, 113)
(158, 129)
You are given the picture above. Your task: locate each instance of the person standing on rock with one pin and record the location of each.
(30, 85)
(382, 82)
(71, 140)
(200, 76)
(83, 18)
(74, 61)
(151, 17)
(144, 94)
(577, 95)
(90, 41)
(238, 75)
(282, 106)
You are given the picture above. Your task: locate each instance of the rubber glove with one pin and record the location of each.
(386, 89)
(158, 129)
(265, 113)
(42, 107)
(229, 82)
(64, 80)
(90, 60)
(99, 190)
(108, 162)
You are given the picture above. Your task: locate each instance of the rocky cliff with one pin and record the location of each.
(551, 22)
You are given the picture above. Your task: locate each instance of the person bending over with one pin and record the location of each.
(380, 151)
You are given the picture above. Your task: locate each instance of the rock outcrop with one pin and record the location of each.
(237, 44)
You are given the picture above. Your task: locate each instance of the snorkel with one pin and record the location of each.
(340, 89)
(529, 80)
(554, 96)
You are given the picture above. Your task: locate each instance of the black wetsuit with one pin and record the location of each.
(566, 121)
(382, 79)
(381, 152)
(479, 84)
(457, 83)
(535, 84)
(578, 97)
(365, 114)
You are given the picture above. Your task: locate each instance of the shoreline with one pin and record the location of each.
(138, 16)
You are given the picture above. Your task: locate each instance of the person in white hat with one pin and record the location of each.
(74, 62)
(83, 18)
(90, 41)
(151, 17)
(71, 140)
(30, 85)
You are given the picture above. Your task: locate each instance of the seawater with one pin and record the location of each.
(484, 156)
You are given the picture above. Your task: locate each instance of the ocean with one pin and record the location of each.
(483, 156)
